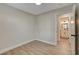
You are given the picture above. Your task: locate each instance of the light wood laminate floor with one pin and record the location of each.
(41, 48)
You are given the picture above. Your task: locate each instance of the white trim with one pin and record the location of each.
(55, 43)
(15, 46)
(58, 24)
(56, 28)
(20, 44)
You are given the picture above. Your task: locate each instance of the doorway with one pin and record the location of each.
(66, 32)
(64, 27)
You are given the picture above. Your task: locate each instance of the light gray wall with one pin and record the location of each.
(15, 27)
(47, 24)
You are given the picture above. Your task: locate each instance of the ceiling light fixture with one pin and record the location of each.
(38, 3)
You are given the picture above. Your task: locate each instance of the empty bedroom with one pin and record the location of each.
(37, 29)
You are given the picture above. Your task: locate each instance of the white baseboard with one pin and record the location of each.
(47, 42)
(15, 46)
(20, 44)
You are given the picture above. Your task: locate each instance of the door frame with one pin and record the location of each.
(72, 12)
(58, 24)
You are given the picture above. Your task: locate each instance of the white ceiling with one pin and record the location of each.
(37, 9)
